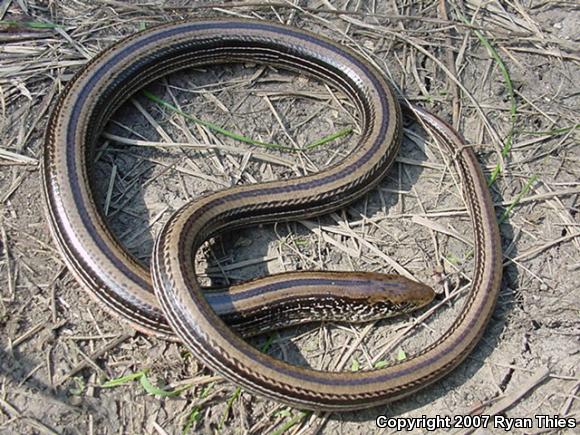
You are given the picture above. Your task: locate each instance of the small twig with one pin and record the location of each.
(93, 356)
(32, 422)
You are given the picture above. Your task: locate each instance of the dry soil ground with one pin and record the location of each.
(505, 73)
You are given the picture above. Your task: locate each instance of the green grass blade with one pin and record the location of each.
(141, 376)
(193, 417)
(292, 422)
(195, 414)
(238, 391)
(507, 146)
(242, 138)
(518, 198)
(29, 24)
(156, 391)
(329, 138)
(553, 132)
(124, 380)
(215, 127)
(229, 404)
